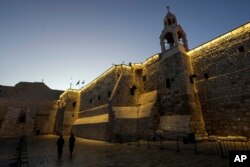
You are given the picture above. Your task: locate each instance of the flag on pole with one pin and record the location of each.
(78, 82)
(83, 82)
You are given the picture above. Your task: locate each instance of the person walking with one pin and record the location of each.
(71, 143)
(60, 143)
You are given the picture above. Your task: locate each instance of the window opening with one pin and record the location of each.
(132, 90)
(241, 49)
(168, 83)
(22, 118)
(206, 75)
(192, 77)
(169, 40)
(109, 93)
(173, 20)
(169, 21)
(74, 104)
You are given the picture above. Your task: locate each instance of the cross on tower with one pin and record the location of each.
(168, 8)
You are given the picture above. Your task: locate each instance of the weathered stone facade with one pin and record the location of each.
(27, 108)
(222, 67)
(67, 112)
(203, 91)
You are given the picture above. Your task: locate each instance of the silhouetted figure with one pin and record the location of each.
(71, 143)
(60, 143)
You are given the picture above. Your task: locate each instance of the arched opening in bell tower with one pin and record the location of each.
(173, 20)
(169, 21)
(169, 40)
(182, 39)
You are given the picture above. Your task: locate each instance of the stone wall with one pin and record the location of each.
(93, 123)
(69, 105)
(139, 94)
(93, 115)
(27, 108)
(37, 115)
(169, 75)
(97, 131)
(98, 92)
(111, 89)
(138, 119)
(112, 94)
(201, 91)
(222, 67)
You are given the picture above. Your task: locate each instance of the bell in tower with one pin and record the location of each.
(172, 34)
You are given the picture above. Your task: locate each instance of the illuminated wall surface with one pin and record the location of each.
(221, 84)
(220, 41)
(204, 91)
(225, 94)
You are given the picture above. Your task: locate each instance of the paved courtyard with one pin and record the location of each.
(42, 152)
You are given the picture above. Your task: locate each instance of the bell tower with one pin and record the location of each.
(172, 34)
(176, 69)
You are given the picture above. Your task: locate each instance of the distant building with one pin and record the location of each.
(178, 91)
(27, 109)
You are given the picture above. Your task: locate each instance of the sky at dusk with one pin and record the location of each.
(56, 40)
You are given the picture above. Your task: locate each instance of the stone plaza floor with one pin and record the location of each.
(42, 152)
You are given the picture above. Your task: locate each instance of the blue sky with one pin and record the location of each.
(56, 40)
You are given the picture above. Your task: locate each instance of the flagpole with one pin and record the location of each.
(70, 86)
(83, 83)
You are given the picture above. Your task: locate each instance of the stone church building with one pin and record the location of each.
(27, 108)
(205, 91)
